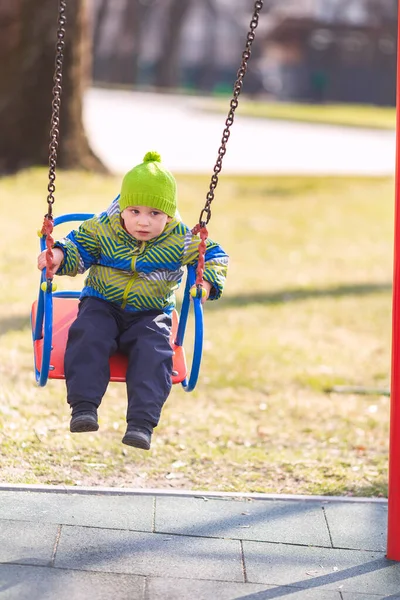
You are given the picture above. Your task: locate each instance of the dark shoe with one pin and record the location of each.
(139, 438)
(83, 422)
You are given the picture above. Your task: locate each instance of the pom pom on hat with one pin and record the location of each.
(152, 157)
(149, 184)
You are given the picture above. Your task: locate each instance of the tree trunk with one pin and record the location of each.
(208, 76)
(27, 54)
(125, 56)
(167, 66)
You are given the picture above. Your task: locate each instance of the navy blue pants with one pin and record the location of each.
(100, 329)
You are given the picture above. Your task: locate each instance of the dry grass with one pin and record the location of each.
(307, 306)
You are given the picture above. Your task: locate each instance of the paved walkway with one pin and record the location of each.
(123, 125)
(77, 544)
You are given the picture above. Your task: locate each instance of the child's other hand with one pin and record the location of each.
(206, 288)
(58, 257)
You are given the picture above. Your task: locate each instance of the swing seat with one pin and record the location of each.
(53, 312)
(65, 311)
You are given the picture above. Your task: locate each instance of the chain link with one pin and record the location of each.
(56, 103)
(205, 214)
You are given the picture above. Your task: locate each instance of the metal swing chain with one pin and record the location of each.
(237, 88)
(205, 214)
(55, 117)
(47, 227)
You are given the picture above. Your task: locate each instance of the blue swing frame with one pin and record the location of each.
(43, 326)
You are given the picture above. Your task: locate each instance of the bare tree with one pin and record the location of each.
(100, 13)
(118, 32)
(27, 52)
(207, 76)
(167, 66)
(128, 44)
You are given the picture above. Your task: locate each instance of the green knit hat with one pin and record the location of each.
(149, 184)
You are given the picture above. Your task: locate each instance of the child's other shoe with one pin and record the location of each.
(83, 422)
(137, 437)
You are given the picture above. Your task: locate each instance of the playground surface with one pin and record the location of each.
(81, 543)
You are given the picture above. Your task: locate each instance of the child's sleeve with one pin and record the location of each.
(216, 262)
(81, 249)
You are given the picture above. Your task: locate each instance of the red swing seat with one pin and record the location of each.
(64, 313)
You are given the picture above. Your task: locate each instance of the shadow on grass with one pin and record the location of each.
(14, 323)
(19, 323)
(295, 294)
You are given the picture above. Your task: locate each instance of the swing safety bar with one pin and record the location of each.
(42, 328)
(189, 385)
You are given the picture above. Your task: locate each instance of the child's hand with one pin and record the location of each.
(206, 288)
(58, 257)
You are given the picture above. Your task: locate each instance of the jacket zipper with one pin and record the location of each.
(133, 278)
(127, 290)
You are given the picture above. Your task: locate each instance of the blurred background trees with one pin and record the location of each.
(169, 44)
(308, 50)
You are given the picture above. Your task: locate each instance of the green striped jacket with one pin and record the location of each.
(133, 274)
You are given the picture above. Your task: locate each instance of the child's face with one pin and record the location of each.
(144, 223)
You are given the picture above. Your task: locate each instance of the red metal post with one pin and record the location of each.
(393, 539)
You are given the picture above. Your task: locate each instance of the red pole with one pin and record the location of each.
(393, 539)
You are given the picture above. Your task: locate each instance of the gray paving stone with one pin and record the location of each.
(149, 554)
(355, 596)
(29, 543)
(278, 521)
(92, 510)
(321, 568)
(41, 583)
(184, 589)
(360, 526)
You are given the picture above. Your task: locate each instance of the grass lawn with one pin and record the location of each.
(307, 307)
(350, 115)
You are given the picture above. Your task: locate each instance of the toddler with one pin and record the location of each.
(135, 252)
